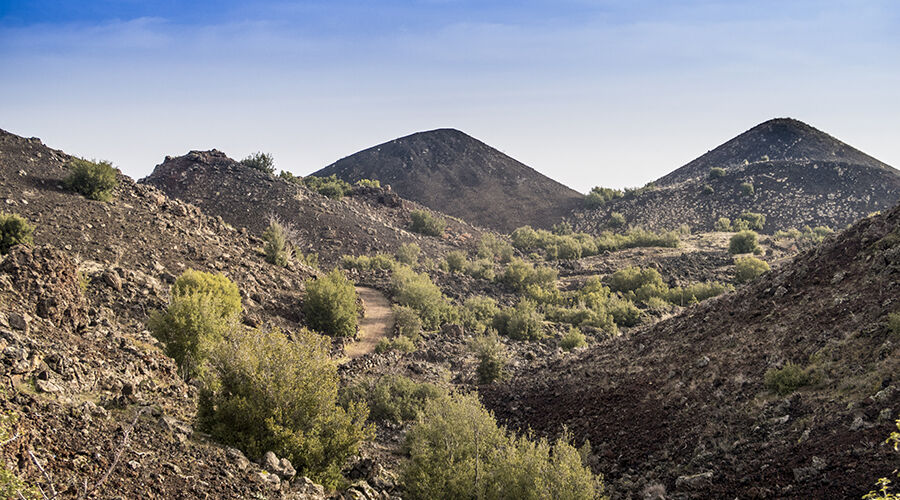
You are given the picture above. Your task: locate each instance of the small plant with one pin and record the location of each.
(260, 161)
(749, 268)
(392, 398)
(716, 173)
(477, 313)
(789, 378)
(401, 344)
(723, 225)
(616, 220)
(408, 254)
(494, 249)
(492, 357)
(265, 392)
(743, 242)
(331, 186)
(884, 484)
(203, 308)
(601, 195)
(522, 322)
(573, 339)
(425, 223)
(456, 261)
(369, 183)
(14, 230)
(708, 190)
(750, 220)
(331, 305)
(93, 180)
(407, 323)
(278, 250)
(747, 189)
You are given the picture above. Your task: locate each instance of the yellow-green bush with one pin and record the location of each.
(407, 323)
(632, 278)
(616, 220)
(277, 249)
(330, 186)
(716, 172)
(519, 274)
(477, 313)
(481, 269)
(749, 268)
(723, 225)
(366, 263)
(14, 230)
(747, 189)
(425, 223)
(456, 261)
(331, 305)
(601, 195)
(263, 162)
(408, 254)
(492, 357)
(391, 398)
(573, 339)
(522, 322)
(494, 249)
(399, 343)
(265, 392)
(93, 180)
(370, 183)
(789, 378)
(417, 291)
(743, 242)
(483, 461)
(203, 308)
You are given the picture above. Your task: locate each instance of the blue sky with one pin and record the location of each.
(589, 92)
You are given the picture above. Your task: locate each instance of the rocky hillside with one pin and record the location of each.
(454, 173)
(683, 406)
(784, 169)
(370, 220)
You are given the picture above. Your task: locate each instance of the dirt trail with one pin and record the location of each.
(375, 325)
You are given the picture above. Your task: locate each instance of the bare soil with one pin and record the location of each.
(376, 324)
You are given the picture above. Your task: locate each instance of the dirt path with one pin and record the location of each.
(375, 325)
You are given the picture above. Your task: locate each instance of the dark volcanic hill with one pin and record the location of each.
(683, 404)
(368, 221)
(780, 139)
(451, 172)
(799, 176)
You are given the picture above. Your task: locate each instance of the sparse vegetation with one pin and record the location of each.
(723, 225)
(367, 263)
(263, 162)
(747, 189)
(369, 183)
(407, 323)
(521, 322)
(805, 238)
(95, 180)
(278, 249)
(408, 254)
(204, 307)
(401, 344)
(477, 313)
(743, 242)
(492, 357)
(749, 220)
(616, 220)
(748, 269)
(519, 275)
(708, 190)
(14, 230)
(494, 249)
(893, 322)
(789, 378)
(456, 261)
(577, 245)
(601, 195)
(266, 392)
(484, 461)
(425, 223)
(330, 186)
(391, 398)
(573, 339)
(331, 306)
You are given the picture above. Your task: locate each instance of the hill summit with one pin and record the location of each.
(779, 139)
(449, 171)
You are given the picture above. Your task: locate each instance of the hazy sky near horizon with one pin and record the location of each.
(588, 92)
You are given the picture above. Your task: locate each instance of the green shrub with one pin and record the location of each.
(14, 230)
(481, 269)
(391, 398)
(408, 254)
(635, 238)
(601, 195)
(401, 344)
(747, 189)
(93, 180)
(695, 292)
(203, 308)
(310, 259)
(331, 305)
(522, 322)
(366, 263)
(632, 278)
(805, 238)
(492, 357)
(483, 461)
(493, 248)
(330, 186)
(884, 484)
(716, 173)
(407, 323)
(616, 220)
(753, 221)
(573, 339)
(562, 229)
(623, 312)
(749, 268)
(743, 242)
(723, 225)
(637, 191)
(519, 274)
(477, 313)
(525, 238)
(456, 261)
(266, 392)
(789, 378)
(369, 183)
(278, 250)
(707, 189)
(425, 223)
(260, 161)
(420, 293)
